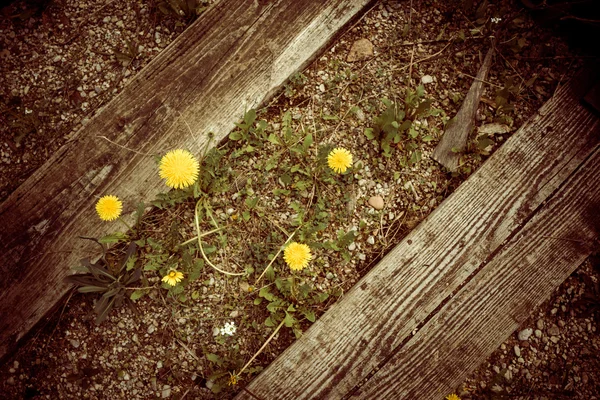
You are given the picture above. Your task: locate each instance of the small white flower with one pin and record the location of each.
(228, 329)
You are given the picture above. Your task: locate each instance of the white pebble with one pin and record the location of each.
(426, 79)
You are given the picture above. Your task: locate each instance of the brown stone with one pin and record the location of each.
(362, 49)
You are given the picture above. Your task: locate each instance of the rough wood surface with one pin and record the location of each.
(455, 137)
(231, 59)
(359, 333)
(501, 296)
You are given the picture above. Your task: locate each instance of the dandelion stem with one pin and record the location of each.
(202, 235)
(262, 348)
(276, 255)
(202, 249)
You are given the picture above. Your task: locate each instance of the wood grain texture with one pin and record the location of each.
(499, 298)
(231, 59)
(457, 133)
(361, 331)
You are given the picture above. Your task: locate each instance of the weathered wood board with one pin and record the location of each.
(371, 325)
(231, 59)
(501, 296)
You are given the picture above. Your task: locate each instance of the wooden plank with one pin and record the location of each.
(499, 298)
(359, 332)
(231, 59)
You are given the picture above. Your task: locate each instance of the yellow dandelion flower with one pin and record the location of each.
(109, 208)
(173, 277)
(339, 160)
(179, 168)
(297, 256)
(452, 397)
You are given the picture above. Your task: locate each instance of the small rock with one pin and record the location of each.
(538, 333)
(216, 331)
(329, 276)
(553, 330)
(166, 392)
(540, 324)
(371, 240)
(525, 334)
(426, 79)
(234, 314)
(362, 49)
(376, 202)
(497, 388)
(362, 256)
(10, 380)
(554, 339)
(151, 329)
(352, 246)
(75, 343)
(584, 378)
(517, 351)
(508, 375)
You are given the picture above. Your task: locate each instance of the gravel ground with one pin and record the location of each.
(63, 62)
(60, 62)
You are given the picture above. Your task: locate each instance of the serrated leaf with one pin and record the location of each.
(265, 293)
(309, 315)
(235, 135)
(137, 294)
(273, 139)
(214, 358)
(308, 141)
(289, 320)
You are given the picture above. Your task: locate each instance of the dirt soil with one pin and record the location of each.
(62, 60)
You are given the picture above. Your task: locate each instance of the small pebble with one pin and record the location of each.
(517, 351)
(376, 202)
(525, 334)
(540, 324)
(553, 330)
(426, 79)
(371, 240)
(352, 246)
